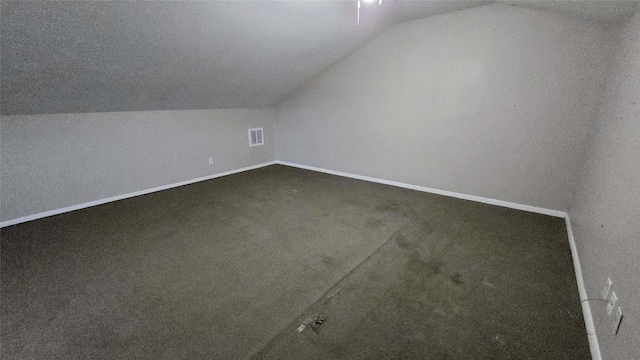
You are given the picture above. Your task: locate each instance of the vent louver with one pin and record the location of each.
(256, 137)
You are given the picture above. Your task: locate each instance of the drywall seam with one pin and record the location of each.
(126, 196)
(586, 308)
(480, 199)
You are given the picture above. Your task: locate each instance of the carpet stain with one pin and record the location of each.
(373, 223)
(424, 269)
(402, 241)
(392, 208)
(457, 278)
(328, 260)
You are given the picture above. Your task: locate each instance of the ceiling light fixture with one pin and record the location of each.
(368, 1)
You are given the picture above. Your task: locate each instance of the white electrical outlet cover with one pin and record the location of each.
(612, 303)
(617, 319)
(607, 288)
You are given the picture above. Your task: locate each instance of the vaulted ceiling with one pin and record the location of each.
(67, 57)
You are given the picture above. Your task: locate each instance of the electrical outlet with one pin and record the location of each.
(607, 288)
(613, 299)
(210, 161)
(617, 319)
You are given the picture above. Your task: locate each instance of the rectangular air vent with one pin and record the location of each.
(256, 137)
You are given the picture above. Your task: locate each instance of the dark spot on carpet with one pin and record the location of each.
(424, 269)
(373, 223)
(457, 278)
(402, 242)
(392, 208)
(328, 260)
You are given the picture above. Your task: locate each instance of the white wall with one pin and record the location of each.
(54, 161)
(494, 101)
(605, 213)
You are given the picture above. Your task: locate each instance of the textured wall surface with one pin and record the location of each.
(54, 161)
(494, 101)
(606, 208)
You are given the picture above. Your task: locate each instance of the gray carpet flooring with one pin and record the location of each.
(232, 267)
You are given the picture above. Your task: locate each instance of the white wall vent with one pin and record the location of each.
(256, 137)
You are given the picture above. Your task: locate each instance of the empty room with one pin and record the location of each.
(356, 179)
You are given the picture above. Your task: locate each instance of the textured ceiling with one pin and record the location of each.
(606, 12)
(67, 57)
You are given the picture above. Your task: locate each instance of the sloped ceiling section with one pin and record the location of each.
(608, 13)
(69, 57)
(97, 56)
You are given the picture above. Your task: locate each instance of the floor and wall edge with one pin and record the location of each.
(507, 204)
(481, 199)
(126, 196)
(586, 307)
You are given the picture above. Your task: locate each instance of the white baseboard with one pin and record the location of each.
(586, 307)
(125, 196)
(534, 209)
